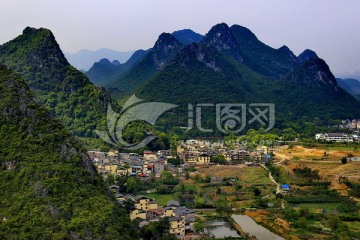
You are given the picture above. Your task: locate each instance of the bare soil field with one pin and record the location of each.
(327, 162)
(222, 170)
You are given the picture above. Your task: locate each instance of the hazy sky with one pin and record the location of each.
(329, 27)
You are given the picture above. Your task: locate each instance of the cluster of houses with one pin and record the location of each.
(152, 164)
(200, 152)
(350, 124)
(337, 137)
(132, 164)
(191, 152)
(146, 210)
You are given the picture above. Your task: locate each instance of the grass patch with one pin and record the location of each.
(339, 148)
(254, 175)
(318, 207)
(354, 227)
(161, 199)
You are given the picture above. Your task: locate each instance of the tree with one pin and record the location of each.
(257, 192)
(198, 227)
(307, 173)
(168, 178)
(198, 178)
(174, 161)
(163, 226)
(207, 179)
(218, 159)
(131, 184)
(166, 175)
(304, 212)
(163, 189)
(182, 189)
(230, 140)
(110, 180)
(222, 206)
(238, 186)
(302, 222)
(333, 222)
(129, 205)
(174, 140)
(344, 160)
(279, 195)
(157, 230)
(121, 180)
(104, 148)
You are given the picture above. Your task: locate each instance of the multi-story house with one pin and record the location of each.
(158, 168)
(187, 214)
(136, 213)
(144, 203)
(177, 226)
(111, 168)
(203, 158)
(150, 156)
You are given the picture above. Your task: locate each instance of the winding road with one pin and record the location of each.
(278, 189)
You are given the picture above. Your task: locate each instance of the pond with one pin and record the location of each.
(219, 229)
(249, 226)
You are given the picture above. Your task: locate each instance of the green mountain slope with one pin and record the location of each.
(201, 74)
(311, 90)
(195, 75)
(223, 40)
(164, 50)
(49, 188)
(65, 91)
(262, 58)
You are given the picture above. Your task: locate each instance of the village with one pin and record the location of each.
(203, 182)
(190, 153)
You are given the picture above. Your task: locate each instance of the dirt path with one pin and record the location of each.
(278, 189)
(272, 179)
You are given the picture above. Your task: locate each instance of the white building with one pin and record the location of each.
(334, 137)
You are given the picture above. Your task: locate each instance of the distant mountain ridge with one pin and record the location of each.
(187, 36)
(351, 85)
(164, 49)
(104, 73)
(306, 55)
(84, 59)
(310, 90)
(103, 76)
(231, 65)
(222, 39)
(239, 43)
